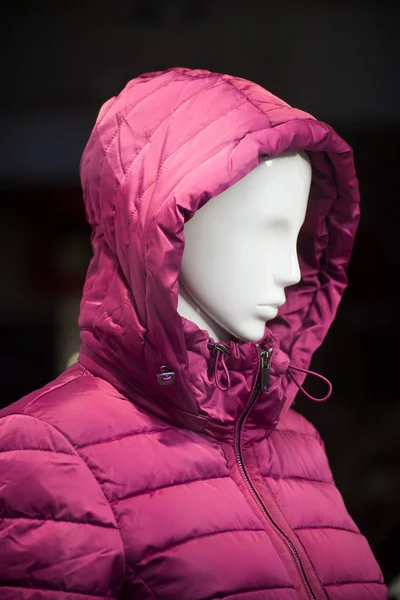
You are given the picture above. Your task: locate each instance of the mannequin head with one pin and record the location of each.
(241, 250)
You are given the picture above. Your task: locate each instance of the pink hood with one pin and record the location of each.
(162, 148)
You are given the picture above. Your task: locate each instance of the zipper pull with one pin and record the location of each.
(265, 369)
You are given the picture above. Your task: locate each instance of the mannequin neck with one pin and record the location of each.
(188, 309)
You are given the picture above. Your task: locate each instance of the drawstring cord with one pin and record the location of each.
(291, 367)
(222, 353)
(221, 372)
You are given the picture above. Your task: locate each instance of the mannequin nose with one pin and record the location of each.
(289, 273)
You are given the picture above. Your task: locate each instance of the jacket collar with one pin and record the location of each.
(202, 403)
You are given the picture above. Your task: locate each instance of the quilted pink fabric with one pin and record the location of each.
(114, 486)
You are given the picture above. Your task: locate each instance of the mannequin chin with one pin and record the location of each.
(251, 330)
(266, 311)
(241, 250)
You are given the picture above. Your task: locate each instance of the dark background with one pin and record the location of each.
(338, 60)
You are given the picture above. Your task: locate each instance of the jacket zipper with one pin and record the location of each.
(263, 383)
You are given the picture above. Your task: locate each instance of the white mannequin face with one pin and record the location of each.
(241, 249)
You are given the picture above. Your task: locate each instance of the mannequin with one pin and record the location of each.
(162, 465)
(240, 250)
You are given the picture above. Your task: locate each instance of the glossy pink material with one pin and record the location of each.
(114, 486)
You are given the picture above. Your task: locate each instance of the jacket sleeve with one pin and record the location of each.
(58, 536)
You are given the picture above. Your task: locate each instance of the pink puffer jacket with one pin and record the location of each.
(133, 475)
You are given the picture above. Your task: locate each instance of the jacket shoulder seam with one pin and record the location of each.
(46, 392)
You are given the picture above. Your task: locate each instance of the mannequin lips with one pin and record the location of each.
(267, 311)
(273, 303)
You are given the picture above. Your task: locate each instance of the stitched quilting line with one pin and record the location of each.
(195, 537)
(165, 487)
(171, 114)
(139, 154)
(69, 521)
(254, 591)
(11, 585)
(312, 527)
(338, 584)
(186, 141)
(36, 450)
(131, 571)
(119, 123)
(228, 79)
(296, 478)
(294, 432)
(116, 98)
(121, 437)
